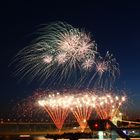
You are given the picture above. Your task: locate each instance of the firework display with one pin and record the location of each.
(58, 52)
(106, 70)
(64, 57)
(82, 105)
(27, 109)
(107, 106)
(57, 108)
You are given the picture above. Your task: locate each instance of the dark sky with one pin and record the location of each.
(115, 26)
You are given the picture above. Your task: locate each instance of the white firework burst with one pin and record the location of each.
(59, 47)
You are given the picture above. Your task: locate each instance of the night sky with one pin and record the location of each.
(114, 25)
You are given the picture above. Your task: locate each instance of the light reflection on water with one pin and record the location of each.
(43, 138)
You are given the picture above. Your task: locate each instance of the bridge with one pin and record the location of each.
(46, 128)
(34, 128)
